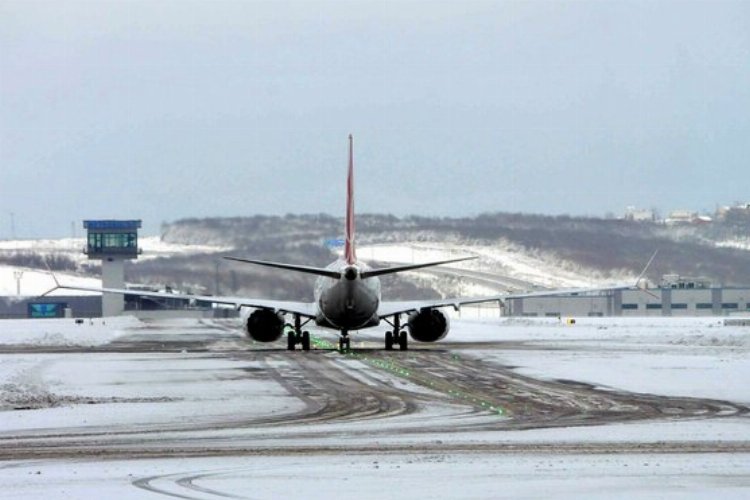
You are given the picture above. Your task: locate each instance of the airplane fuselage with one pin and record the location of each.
(348, 303)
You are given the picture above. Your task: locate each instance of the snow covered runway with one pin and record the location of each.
(190, 409)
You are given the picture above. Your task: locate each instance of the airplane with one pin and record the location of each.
(347, 298)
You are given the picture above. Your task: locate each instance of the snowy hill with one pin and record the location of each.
(65, 256)
(514, 252)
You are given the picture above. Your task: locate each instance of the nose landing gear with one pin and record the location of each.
(344, 342)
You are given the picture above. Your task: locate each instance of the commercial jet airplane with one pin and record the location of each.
(347, 298)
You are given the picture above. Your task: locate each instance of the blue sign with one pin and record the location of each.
(335, 243)
(47, 310)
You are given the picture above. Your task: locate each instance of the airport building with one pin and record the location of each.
(675, 296)
(91, 306)
(58, 306)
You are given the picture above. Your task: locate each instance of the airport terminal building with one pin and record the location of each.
(675, 296)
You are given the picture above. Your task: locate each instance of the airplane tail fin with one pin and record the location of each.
(349, 252)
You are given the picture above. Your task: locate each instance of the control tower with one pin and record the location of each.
(113, 242)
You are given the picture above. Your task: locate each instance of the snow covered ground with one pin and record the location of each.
(238, 412)
(739, 243)
(152, 246)
(35, 282)
(408, 476)
(682, 357)
(64, 332)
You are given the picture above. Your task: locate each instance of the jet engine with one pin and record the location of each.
(264, 325)
(428, 325)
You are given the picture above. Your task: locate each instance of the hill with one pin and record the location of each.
(516, 251)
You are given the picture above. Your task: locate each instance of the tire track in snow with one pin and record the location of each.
(337, 402)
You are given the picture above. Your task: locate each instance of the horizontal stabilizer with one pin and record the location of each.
(371, 273)
(319, 271)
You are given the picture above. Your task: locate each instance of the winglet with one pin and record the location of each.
(54, 278)
(648, 264)
(349, 252)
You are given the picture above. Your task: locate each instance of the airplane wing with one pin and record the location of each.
(403, 307)
(391, 308)
(552, 292)
(305, 309)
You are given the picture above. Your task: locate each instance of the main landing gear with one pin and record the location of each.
(297, 336)
(397, 336)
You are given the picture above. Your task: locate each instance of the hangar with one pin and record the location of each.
(674, 296)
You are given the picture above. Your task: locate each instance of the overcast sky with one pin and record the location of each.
(161, 110)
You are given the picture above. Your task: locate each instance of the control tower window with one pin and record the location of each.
(99, 242)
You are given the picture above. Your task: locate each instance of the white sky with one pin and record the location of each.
(160, 110)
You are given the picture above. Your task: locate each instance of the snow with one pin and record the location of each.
(694, 357)
(35, 282)
(739, 244)
(171, 389)
(152, 246)
(365, 477)
(507, 259)
(139, 391)
(497, 269)
(64, 332)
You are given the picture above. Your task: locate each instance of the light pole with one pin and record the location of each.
(18, 275)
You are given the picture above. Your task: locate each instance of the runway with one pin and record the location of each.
(165, 393)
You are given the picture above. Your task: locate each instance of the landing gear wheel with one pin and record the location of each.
(403, 342)
(388, 341)
(344, 345)
(291, 341)
(305, 341)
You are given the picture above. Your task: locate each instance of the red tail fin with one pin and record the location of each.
(349, 253)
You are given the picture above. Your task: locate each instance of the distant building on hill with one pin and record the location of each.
(686, 217)
(639, 214)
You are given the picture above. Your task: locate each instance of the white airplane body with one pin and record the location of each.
(347, 297)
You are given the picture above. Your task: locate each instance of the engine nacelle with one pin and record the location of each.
(265, 326)
(428, 325)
